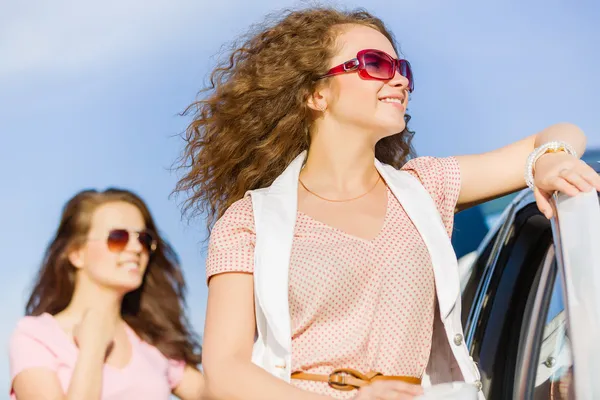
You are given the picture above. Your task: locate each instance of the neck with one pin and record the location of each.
(340, 160)
(89, 295)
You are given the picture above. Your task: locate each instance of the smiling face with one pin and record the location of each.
(100, 263)
(374, 106)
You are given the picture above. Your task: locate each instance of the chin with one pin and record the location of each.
(126, 287)
(399, 129)
(398, 126)
(390, 127)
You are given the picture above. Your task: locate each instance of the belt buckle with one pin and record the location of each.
(337, 380)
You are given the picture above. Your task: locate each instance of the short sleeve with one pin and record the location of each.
(28, 350)
(175, 371)
(232, 240)
(441, 178)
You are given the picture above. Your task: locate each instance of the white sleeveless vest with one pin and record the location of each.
(275, 209)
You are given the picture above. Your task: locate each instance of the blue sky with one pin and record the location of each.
(89, 96)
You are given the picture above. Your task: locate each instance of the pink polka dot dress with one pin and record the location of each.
(354, 303)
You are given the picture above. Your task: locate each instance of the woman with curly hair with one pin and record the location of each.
(330, 267)
(105, 319)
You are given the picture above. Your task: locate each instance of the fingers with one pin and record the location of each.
(408, 388)
(591, 177)
(563, 185)
(569, 178)
(576, 179)
(543, 202)
(389, 390)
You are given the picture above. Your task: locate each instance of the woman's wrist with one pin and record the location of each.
(92, 355)
(552, 147)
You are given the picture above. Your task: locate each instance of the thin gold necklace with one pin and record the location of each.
(340, 201)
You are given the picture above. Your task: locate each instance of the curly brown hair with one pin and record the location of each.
(155, 311)
(255, 119)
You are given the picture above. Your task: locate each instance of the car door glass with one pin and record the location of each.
(554, 369)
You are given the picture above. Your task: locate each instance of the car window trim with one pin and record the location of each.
(521, 201)
(527, 363)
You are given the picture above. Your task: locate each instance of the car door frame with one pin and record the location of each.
(572, 216)
(516, 243)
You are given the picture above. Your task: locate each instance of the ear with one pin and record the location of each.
(76, 257)
(317, 101)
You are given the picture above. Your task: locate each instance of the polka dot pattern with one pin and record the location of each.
(354, 303)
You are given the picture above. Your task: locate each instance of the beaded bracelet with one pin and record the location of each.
(550, 147)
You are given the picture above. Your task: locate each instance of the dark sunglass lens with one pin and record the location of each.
(147, 241)
(406, 71)
(117, 240)
(378, 65)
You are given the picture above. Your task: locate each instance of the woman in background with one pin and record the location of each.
(105, 319)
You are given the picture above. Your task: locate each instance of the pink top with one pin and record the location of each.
(354, 303)
(41, 342)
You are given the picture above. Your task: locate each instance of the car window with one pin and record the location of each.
(497, 311)
(474, 278)
(554, 369)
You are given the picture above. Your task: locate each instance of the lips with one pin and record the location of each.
(130, 266)
(394, 99)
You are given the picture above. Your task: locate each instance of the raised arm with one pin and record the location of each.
(496, 173)
(191, 386)
(33, 365)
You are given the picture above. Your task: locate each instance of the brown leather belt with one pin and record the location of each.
(349, 379)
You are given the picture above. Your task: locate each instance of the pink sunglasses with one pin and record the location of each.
(376, 65)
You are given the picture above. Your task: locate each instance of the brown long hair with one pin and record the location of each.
(255, 120)
(155, 311)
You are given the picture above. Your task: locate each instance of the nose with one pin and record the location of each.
(134, 245)
(399, 80)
